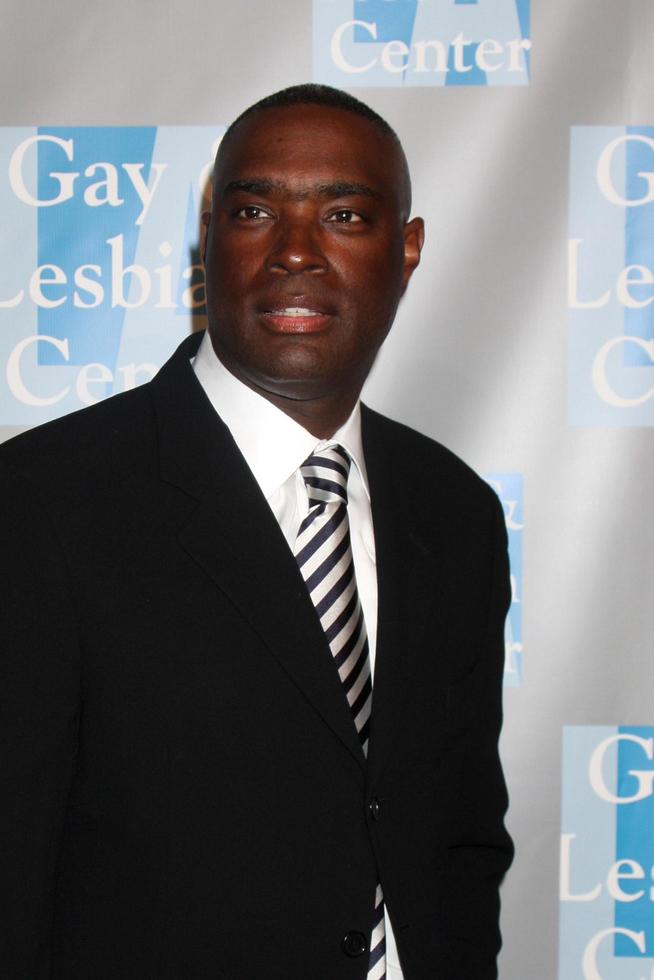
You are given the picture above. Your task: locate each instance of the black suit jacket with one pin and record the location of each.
(185, 796)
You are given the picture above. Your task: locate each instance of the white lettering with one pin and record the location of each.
(516, 47)
(89, 291)
(119, 272)
(14, 301)
(13, 372)
(110, 185)
(395, 54)
(130, 373)
(633, 872)
(645, 777)
(510, 507)
(601, 382)
(88, 375)
(573, 277)
(514, 588)
(510, 651)
(104, 191)
(589, 961)
(566, 894)
(605, 180)
(145, 193)
(164, 274)
(486, 49)
(194, 297)
(392, 50)
(631, 275)
(336, 50)
(40, 278)
(421, 47)
(66, 180)
(459, 43)
(634, 275)
(87, 285)
(91, 374)
(623, 870)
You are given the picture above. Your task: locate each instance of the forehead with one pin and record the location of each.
(307, 144)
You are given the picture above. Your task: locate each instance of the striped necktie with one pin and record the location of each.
(324, 555)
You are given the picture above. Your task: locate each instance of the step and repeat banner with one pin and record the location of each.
(525, 343)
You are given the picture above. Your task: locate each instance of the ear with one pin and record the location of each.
(414, 237)
(204, 234)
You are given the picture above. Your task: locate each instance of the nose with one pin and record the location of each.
(296, 249)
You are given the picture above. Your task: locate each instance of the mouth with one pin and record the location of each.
(296, 319)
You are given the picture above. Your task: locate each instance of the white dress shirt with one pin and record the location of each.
(274, 447)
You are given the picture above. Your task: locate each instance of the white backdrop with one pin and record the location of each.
(493, 351)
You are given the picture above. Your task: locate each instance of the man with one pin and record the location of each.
(205, 580)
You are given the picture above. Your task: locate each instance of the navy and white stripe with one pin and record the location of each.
(377, 960)
(324, 555)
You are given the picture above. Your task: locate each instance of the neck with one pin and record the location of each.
(322, 417)
(320, 414)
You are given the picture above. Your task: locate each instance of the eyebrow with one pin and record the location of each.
(266, 187)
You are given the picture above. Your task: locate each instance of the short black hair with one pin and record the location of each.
(310, 93)
(313, 94)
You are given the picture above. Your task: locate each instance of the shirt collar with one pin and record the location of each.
(273, 444)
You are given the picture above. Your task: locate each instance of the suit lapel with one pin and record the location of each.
(233, 535)
(405, 578)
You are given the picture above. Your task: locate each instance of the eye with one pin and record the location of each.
(345, 216)
(252, 213)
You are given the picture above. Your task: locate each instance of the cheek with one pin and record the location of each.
(231, 268)
(375, 295)
(372, 271)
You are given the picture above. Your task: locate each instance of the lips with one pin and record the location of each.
(295, 311)
(304, 315)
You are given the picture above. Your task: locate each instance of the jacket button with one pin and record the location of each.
(375, 808)
(354, 944)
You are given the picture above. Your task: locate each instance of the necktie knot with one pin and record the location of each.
(325, 474)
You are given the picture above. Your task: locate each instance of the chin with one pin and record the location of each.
(298, 365)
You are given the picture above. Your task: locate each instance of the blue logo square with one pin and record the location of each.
(607, 853)
(611, 276)
(105, 278)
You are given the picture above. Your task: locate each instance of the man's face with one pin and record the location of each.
(307, 251)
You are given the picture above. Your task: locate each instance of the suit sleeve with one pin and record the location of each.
(480, 849)
(39, 715)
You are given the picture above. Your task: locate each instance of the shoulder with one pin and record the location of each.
(449, 513)
(85, 449)
(423, 461)
(121, 428)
